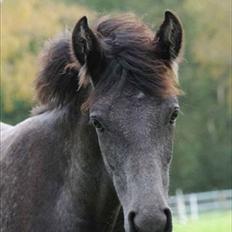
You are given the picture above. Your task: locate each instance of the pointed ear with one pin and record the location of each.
(86, 47)
(169, 38)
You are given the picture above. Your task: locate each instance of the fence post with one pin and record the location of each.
(181, 207)
(193, 206)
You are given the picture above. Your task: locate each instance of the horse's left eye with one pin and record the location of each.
(97, 124)
(174, 115)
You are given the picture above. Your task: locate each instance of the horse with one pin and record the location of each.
(94, 155)
(4, 126)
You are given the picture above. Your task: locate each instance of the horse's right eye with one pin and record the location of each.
(174, 115)
(97, 124)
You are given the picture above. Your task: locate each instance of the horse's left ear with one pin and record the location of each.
(86, 47)
(169, 38)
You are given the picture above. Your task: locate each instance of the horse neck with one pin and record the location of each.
(91, 192)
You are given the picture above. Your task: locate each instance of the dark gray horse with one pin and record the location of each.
(95, 154)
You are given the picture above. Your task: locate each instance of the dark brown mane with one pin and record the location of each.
(130, 44)
(129, 47)
(56, 83)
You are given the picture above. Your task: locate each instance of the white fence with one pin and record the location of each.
(186, 206)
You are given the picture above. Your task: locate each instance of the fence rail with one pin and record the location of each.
(185, 206)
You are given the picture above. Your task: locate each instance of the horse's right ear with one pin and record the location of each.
(86, 47)
(169, 38)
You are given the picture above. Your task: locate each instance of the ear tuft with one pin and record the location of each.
(169, 37)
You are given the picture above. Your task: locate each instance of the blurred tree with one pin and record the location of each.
(26, 25)
(202, 159)
(203, 147)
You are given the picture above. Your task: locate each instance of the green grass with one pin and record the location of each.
(212, 222)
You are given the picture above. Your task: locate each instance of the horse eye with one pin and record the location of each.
(174, 116)
(97, 124)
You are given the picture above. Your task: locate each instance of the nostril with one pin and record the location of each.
(131, 217)
(168, 227)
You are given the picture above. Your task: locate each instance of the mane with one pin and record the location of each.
(128, 44)
(57, 80)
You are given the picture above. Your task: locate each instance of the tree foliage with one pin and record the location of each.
(202, 154)
(26, 26)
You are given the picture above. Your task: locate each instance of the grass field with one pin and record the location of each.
(213, 222)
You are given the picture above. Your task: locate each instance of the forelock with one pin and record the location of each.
(130, 44)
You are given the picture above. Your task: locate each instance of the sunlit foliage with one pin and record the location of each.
(202, 153)
(26, 25)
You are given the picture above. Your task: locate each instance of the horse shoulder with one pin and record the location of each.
(28, 142)
(5, 126)
(32, 166)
